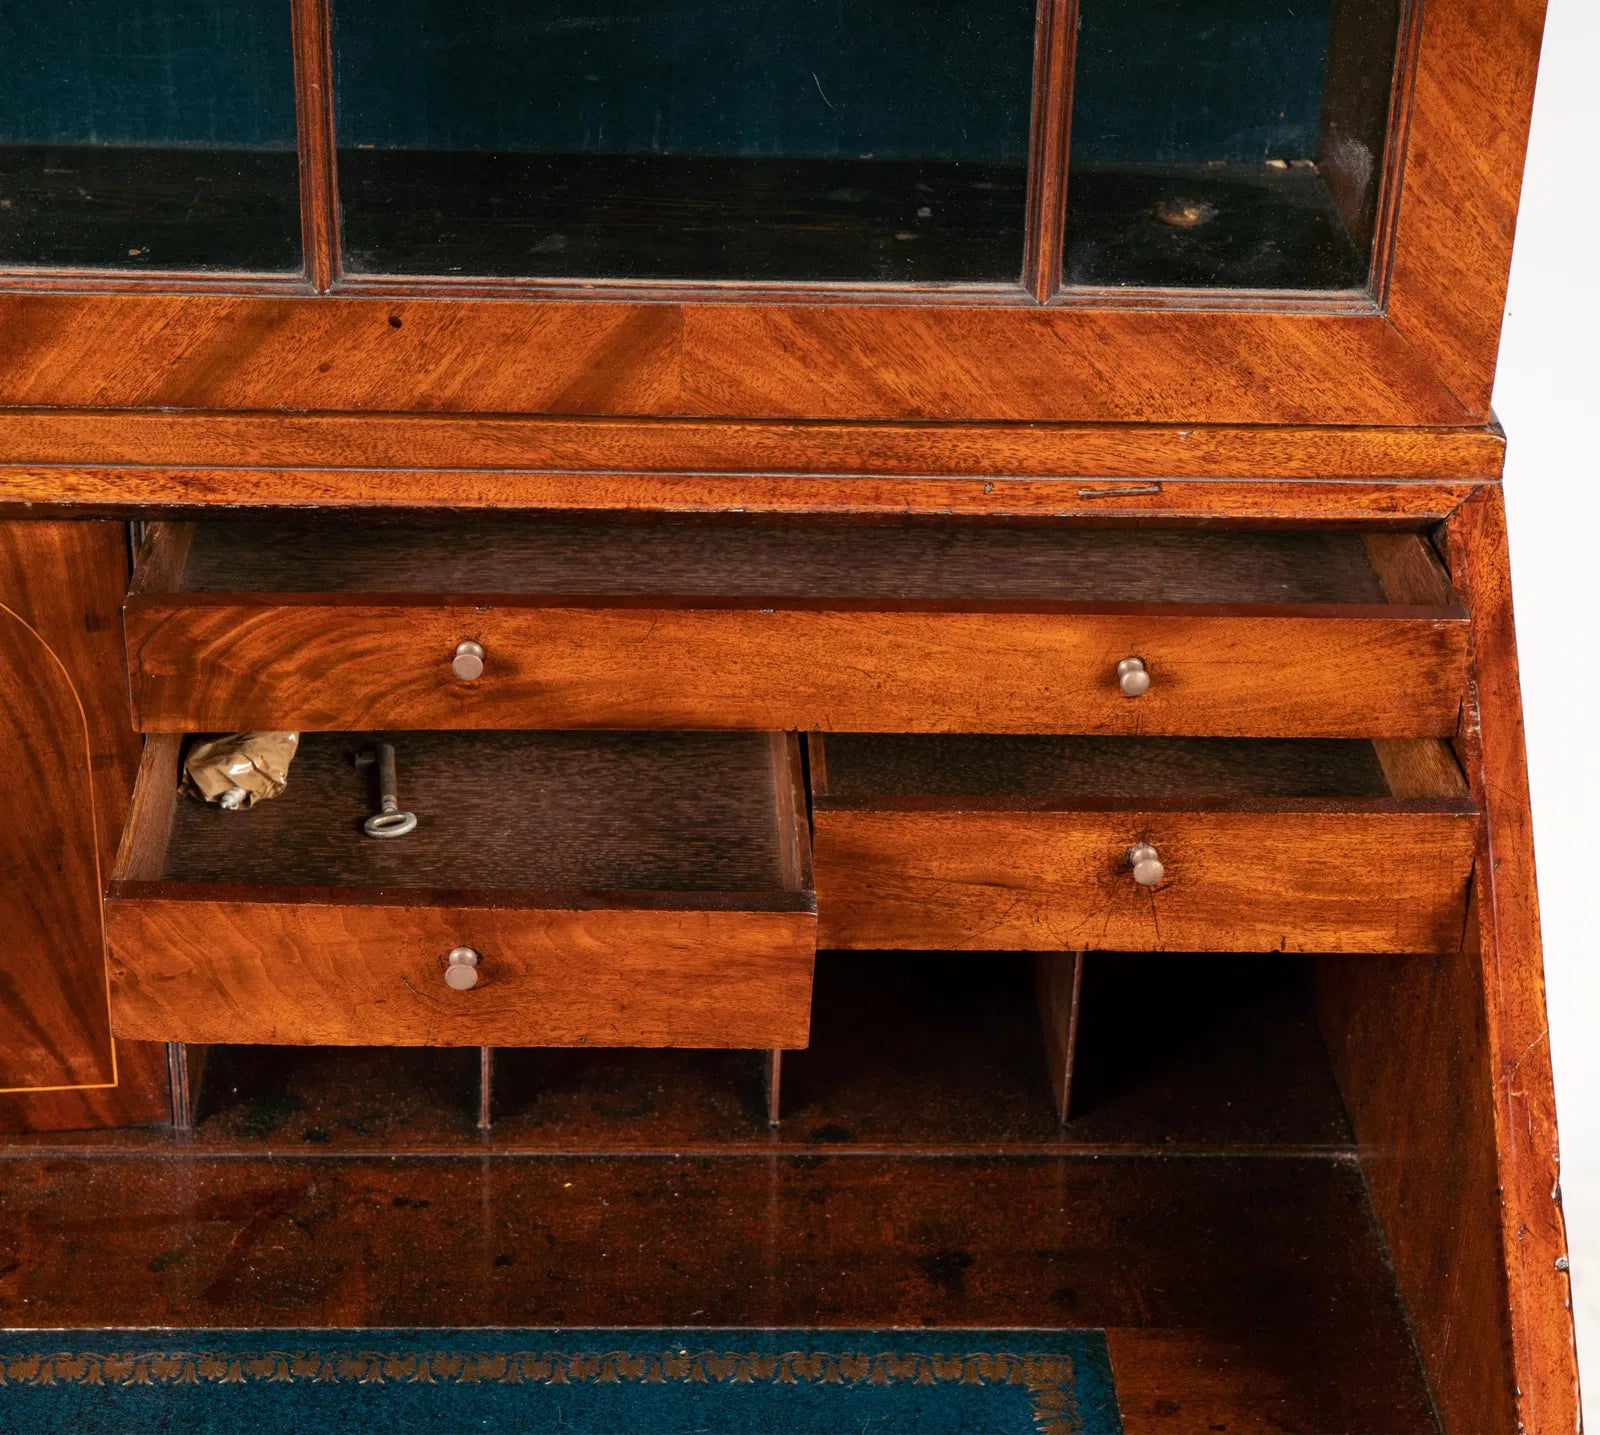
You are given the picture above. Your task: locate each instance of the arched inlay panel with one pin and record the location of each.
(54, 1020)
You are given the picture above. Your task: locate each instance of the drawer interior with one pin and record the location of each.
(904, 562)
(557, 889)
(887, 769)
(693, 813)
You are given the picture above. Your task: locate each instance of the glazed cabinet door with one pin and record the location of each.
(896, 209)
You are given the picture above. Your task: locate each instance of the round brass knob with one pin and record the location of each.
(461, 969)
(1146, 864)
(468, 661)
(1132, 677)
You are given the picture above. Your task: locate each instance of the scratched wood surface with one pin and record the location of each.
(1250, 1293)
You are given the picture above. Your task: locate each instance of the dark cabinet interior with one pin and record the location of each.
(152, 134)
(1230, 144)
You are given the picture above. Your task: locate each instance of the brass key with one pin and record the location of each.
(389, 821)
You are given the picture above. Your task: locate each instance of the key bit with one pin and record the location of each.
(389, 820)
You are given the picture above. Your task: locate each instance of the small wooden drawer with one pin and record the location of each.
(517, 623)
(619, 889)
(1027, 843)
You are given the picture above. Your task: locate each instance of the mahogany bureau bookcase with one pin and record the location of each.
(874, 534)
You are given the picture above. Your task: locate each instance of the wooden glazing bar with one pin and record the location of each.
(319, 184)
(1051, 141)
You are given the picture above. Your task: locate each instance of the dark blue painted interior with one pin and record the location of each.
(709, 77)
(1158, 80)
(160, 72)
(1186, 81)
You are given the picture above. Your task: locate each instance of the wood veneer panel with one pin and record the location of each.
(70, 776)
(321, 969)
(54, 1025)
(1533, 1229)
(739, 622)
(1407, 1040)
(750, 663)
(1278, 881)
(1462, 182)
(1022, 843)
(145, 446)
(597, 357)
(1251, 1293)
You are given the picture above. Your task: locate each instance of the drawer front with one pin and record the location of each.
(219, 969)
(1051, 880)
(200, 662)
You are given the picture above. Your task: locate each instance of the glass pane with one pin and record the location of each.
(1228, 143)
(719, 139)
(148, 134)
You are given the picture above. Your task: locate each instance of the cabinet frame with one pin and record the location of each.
(1417, 349)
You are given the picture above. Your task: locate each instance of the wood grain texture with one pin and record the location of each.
(1055, 41)
(737, 555)
(913, 1052)
(206, 665)
(862, 769)
(1445, 1070)
(599, 357)
(1468, 136)
(1408, 1044)
(531, 459)
(1043, 880)
(1247, 1293)
(319, 180)
(54, 1026)
(581, 812)
(1523, 1106)
(323, 969)
(73, 757)
(1423, 354)
(286, 924)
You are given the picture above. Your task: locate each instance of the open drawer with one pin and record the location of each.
(837, 626)
(616, 889)
(1160, 844)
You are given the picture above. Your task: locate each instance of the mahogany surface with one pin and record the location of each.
(1204, 1204)
(1420, 350)
(620, 890)
(70, 764)
(323, 458)
(931, 841)
(741, 624)
(1367, 1242)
